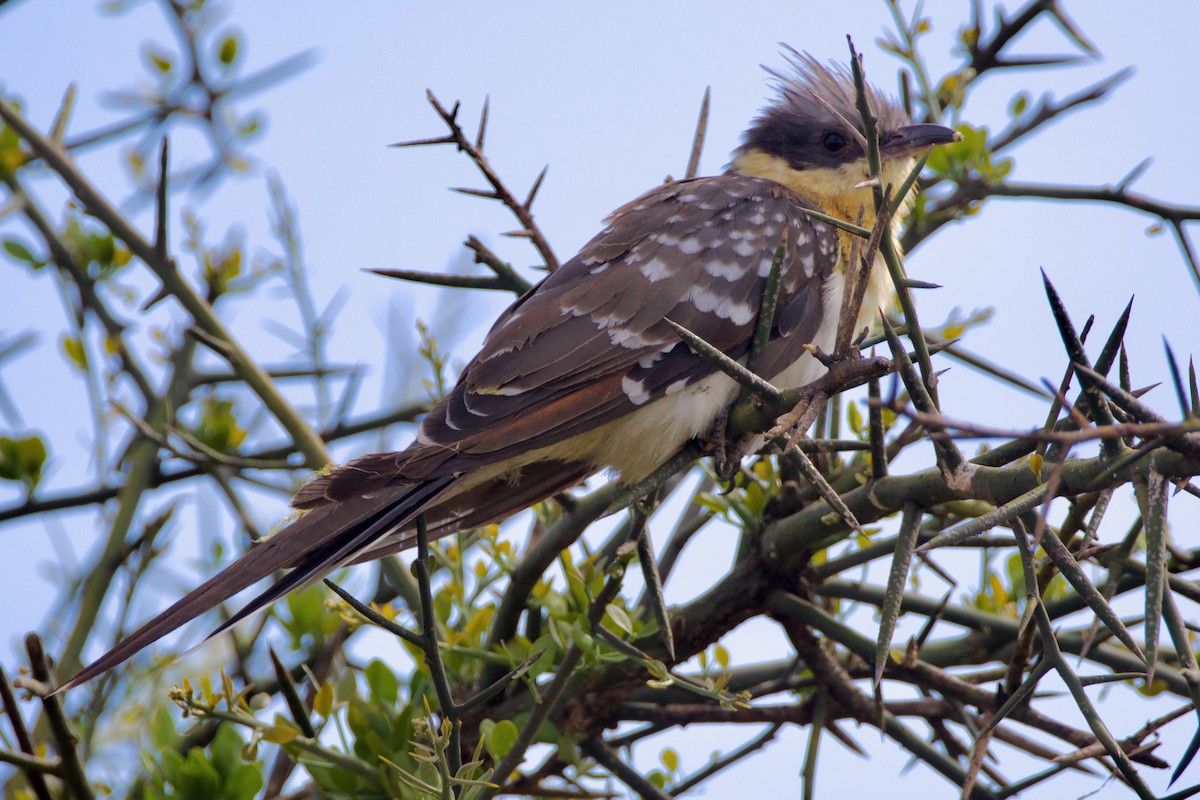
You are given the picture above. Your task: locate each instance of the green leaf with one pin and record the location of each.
(659, 670)
(576, 585)
(197, 777)
(721, 655)
(228, 51)
(20, 252)
(568, 750)
(12, 157)
(501, 738)
(556, 605)
(306, 609)
(162, 728)
(443, 606)
(22, 459)
(617, 618)
(171, 765)
(76, 353)
(1035, 465)
(485, 728)
(670, 760)
(713, 503)
(385, 688)
(346, 687)
(335, 782)
(226, 750)
(244, 783)
(323, 701)
(280, 734)
(854, 418)
(581, 638)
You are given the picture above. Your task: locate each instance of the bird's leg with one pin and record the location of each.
(727, 451)
(718, 441)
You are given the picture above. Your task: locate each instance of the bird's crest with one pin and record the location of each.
(811, 97)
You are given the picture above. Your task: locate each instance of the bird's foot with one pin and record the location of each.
(726, 453)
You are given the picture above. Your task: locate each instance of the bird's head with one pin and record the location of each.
(811, 139)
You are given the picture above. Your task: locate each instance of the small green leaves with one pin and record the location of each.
(227, 51)
(94, 248)
(219, 773)
(969, 158)
(17, 249)
(22, 459)
(222, 268)
(747, 500)
(218, 428)
(437, 360)
(956, 324)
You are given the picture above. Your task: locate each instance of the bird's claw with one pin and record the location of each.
(726, 453)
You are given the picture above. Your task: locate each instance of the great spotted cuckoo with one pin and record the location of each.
(583, 373)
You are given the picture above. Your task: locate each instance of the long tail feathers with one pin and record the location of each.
(338, 552)
(483, 503)
(313, 546)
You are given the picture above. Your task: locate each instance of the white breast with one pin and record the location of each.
(637, 444)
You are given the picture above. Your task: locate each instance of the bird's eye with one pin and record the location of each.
(833, 141)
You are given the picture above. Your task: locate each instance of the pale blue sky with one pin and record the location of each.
(607, 95)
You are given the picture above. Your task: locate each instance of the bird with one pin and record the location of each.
(584, 373)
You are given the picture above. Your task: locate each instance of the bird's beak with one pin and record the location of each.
(914, 138)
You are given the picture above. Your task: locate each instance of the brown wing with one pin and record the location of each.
(588, 344)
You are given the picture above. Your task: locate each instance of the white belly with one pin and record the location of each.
(637, 444)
